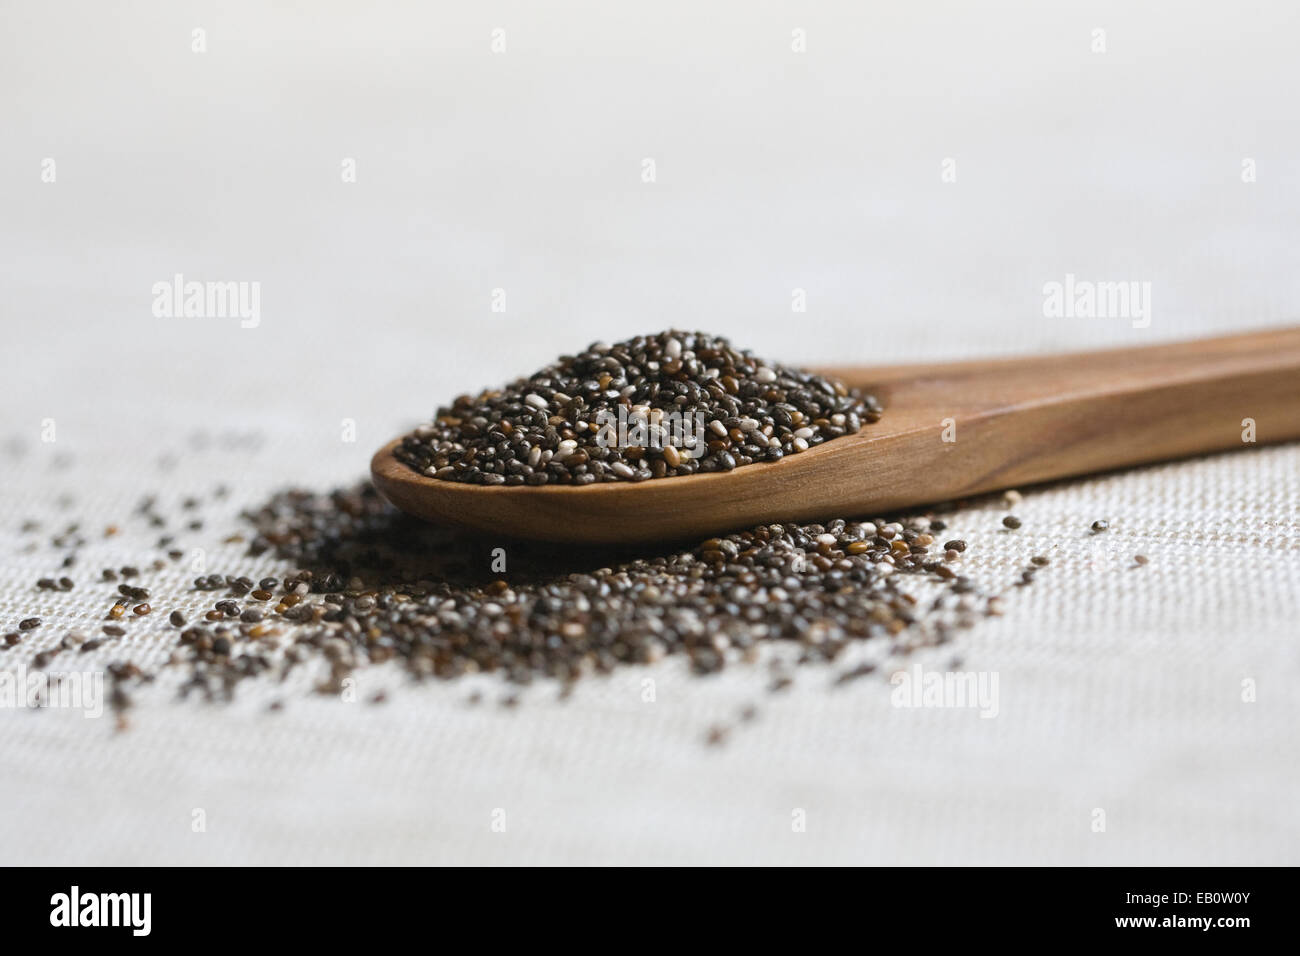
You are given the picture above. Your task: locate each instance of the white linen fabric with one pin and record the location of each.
(428, 205)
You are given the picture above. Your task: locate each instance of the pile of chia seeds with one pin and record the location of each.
(691, 402)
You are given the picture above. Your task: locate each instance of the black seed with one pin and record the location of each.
(550, 427)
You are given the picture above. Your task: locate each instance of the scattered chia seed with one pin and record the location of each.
(1011, 521)
(355, 582)
(558, 426)
(1099, 526)
(29, 623)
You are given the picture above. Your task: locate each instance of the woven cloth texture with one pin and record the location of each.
(1158, 698)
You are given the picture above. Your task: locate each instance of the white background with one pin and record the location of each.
(776, 171)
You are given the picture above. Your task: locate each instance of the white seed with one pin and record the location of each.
(535, 400)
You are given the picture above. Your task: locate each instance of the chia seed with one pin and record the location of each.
(560, 425)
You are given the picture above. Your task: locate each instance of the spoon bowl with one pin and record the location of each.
(948, 431)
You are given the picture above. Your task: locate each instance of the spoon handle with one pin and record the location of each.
(970, 427)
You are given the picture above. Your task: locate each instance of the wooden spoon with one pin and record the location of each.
(948, 431)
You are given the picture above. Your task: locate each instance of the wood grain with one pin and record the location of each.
(1017, 422)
